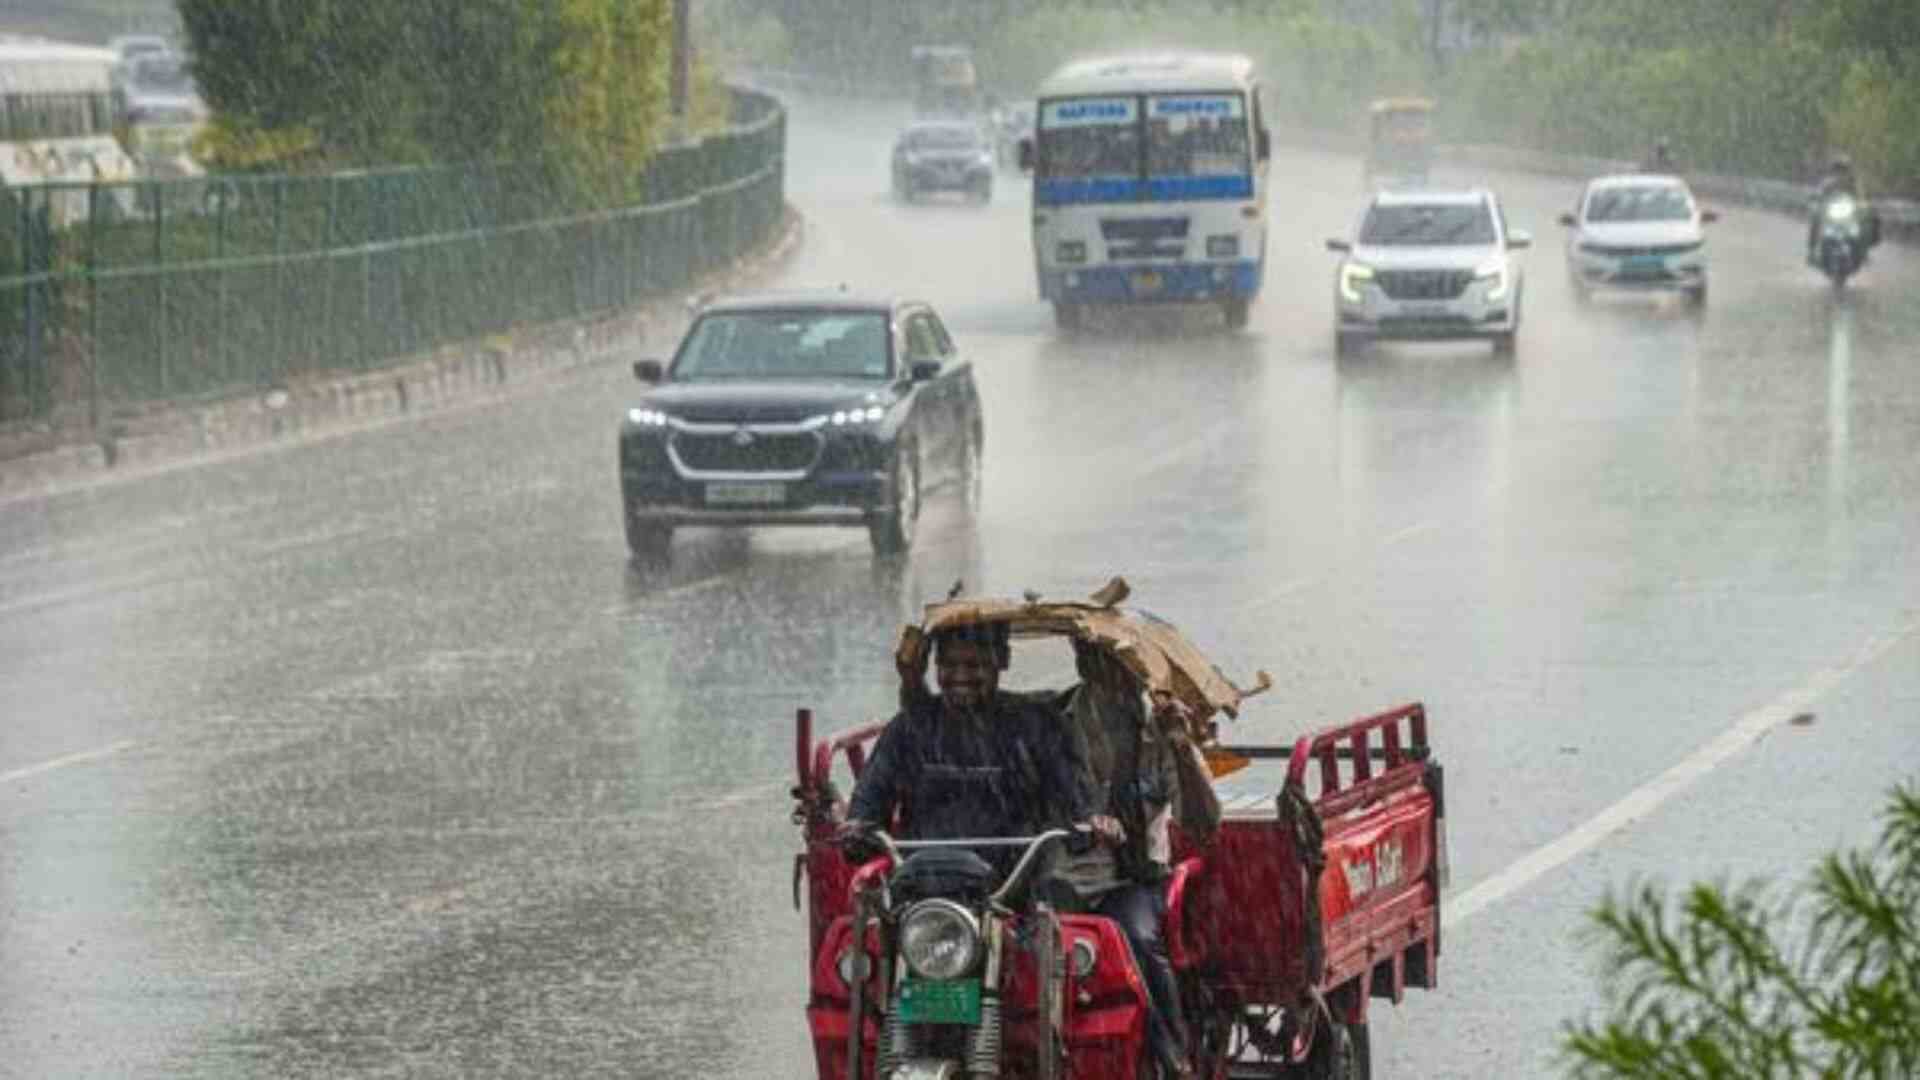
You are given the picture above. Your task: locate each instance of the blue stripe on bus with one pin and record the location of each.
(1159, 189)
(1061, 192)
(1166, 188)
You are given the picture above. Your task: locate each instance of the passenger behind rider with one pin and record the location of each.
(970, 761)
(1132, 772)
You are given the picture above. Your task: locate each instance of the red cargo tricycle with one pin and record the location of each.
(1303, 904)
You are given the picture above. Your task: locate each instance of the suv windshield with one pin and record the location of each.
(943, 138)
(1428, 224)
(1652, 202)
(785, 345)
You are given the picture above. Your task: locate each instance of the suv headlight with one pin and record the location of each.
(1494, 270)
(939, 939)
(859, 414)
(1352, 276)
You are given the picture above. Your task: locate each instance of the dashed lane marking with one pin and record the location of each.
(1644, 800)
(62, 762)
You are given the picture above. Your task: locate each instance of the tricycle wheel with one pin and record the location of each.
(1342, 1052)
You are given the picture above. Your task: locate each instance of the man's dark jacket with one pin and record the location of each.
(1012, 770)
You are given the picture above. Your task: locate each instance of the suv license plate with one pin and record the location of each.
(1148, 282)
(746, 494)
(940, 1001)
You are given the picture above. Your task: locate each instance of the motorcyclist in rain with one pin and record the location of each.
(1839, 180)
(971, 761)
(1661, 160)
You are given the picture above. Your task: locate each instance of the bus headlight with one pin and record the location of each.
(1223, 247)
(1071, 251)
(1352, 276)
(939, 939)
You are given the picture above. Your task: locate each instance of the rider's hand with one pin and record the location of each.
(855, 837)
(1107, 830)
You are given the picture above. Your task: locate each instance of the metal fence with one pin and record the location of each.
(113, 293)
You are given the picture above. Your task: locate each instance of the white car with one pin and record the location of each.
(1638, 232)
(1429, 265)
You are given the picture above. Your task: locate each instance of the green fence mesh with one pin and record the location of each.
(113, 293)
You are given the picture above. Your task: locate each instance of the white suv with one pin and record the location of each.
(1429, 265)
(1638, 232)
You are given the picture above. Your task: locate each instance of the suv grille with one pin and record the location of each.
(1423, 284)
(1625, 251)
(785, 452)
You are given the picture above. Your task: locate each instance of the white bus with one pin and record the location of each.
(1149, 183)
(56, 120)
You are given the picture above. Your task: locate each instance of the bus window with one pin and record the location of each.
(1197, 135)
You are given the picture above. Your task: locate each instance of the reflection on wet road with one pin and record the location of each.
(377, 757)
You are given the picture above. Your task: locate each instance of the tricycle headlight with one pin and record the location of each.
(1352, 276)
(939, 939)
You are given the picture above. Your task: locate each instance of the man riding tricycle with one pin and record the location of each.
(1399, 142)
(1050, 884)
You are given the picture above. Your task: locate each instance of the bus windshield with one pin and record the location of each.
(1200, 136)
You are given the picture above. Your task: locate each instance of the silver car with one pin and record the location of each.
(1642, 233)
(1429, 265)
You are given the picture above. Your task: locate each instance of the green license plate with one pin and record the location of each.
(948, 1001)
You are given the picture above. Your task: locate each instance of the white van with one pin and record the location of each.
(1149, 183)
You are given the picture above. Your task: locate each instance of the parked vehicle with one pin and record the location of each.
(1149, 184)
(801, 409)
(56, 125)
(1429, 265)
(1641, 233)
(160, 113)
(1399, 143)
(943, 156)
(1306, 904)
(1843, 238)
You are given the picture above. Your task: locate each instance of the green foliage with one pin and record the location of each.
(1752, 984)
(1319, 72)
(578, 85)
(1751, 109)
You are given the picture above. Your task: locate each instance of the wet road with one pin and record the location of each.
(374, 757)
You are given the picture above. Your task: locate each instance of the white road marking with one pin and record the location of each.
(62, 762)
(1409, 533)
(1645, 799)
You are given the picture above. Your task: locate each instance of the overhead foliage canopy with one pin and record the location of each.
(577, 84)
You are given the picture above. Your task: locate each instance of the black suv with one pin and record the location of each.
(943, 156)
(801, 409)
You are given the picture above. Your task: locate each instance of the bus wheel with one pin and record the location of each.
(1236, 311)
(1067, 316)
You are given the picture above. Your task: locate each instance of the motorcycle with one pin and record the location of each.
(969, 971)
(1842, 239)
